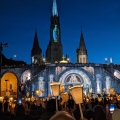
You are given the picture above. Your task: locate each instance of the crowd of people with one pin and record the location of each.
(46, 110)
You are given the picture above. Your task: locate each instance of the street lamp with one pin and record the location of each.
(55, 90)
(1, 48)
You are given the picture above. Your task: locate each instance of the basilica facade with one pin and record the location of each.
(54, 67)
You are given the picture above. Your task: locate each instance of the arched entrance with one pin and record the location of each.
(75, 76)
(9, 83)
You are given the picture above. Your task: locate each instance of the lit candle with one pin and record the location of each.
(1, 99)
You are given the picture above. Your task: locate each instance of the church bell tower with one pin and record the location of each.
(54, 48)
(81, 52)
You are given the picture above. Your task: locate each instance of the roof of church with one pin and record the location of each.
(82, 42)
(9, 62)
(36, 43)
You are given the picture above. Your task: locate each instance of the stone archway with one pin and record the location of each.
(76, 76)
(9, 82)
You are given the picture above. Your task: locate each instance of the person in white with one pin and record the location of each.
(51, 80)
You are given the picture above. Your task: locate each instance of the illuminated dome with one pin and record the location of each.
(64, 60)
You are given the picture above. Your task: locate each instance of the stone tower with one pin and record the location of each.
(81, 52)
(36, 52)
(54, 48)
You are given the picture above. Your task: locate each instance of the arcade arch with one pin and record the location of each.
(9, 83)
(75, 76)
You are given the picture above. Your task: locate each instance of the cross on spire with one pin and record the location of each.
(63, 57)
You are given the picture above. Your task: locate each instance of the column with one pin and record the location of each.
(108, 84)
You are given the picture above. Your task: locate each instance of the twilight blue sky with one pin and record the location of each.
(100, 21)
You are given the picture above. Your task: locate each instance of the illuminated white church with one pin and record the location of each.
(43, 71)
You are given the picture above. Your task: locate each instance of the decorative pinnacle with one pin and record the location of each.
(54, 8)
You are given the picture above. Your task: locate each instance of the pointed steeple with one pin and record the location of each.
(82, 56)
(54, 50)
(36, 52)
(54, 8)
(36, 43)
(82, 43)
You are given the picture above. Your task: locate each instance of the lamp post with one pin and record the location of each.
(55, 86)
(77, 94)
(1, 48)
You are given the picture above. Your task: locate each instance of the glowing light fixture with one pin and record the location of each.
(38, 92)
(77, 94)
(99, 99)
(11, 99)
(32, 98)
(27, 94)
(64, 97)
(55, 86)
(1, 99)
(104, 90)
(62, 89)
(111, 90)
(118, 97)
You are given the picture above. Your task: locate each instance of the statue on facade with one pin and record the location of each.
(51, 80)
(73, 79)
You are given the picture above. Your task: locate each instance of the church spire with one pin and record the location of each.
(54, 8)
(82, 43)
(36, 52)
(82, 56)
(36, 43)
(54, 49)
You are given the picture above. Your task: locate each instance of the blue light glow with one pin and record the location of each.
(55, 33)
(54, 8)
